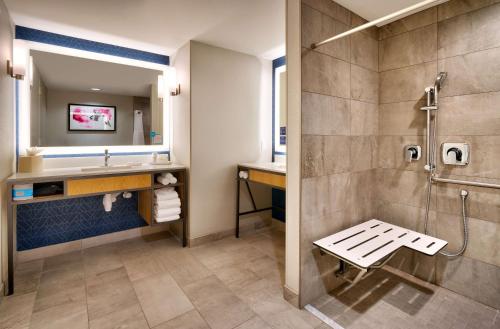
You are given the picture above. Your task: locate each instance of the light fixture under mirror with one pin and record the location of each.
(77, 101)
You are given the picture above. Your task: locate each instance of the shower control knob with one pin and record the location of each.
(412, 153)
(457, 154)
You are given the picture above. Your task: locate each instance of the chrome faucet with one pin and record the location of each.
(106, 157)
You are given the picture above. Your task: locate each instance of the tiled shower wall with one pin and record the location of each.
(462, 38)
(339, 129)
(360, 105)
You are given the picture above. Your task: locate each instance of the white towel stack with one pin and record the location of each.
(166, 179)
(167, 206)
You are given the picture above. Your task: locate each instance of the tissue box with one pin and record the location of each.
(22, 192)
(31, 163)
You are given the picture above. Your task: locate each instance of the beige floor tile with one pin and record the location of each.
(62, 261)
(110, 292)
(70, 315)
(189, 320)
(15, 311)
(48, 297)
(183, 266)
(101, 259)
(27, 277)
(254, 323)
(217, 304)
(142, 267)
(127, 318)
(161, 298)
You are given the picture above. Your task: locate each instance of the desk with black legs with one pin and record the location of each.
(271, 174)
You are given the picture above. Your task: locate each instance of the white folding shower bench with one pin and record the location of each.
(370, 245)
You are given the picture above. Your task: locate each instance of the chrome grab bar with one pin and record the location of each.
(464, 182)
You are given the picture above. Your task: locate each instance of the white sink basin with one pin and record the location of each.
(108, 168)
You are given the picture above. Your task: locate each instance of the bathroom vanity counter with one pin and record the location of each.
(69, 183)
(275, 167)
(79, 172)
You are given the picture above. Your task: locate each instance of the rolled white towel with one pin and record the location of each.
(167, 218)
(163, 180)
(165, 190)
(171, 178)
(166, 194)
(243, 174)
(163, 197)
(167, 204)
(167, 212)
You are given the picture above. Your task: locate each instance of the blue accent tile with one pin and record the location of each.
(52, 222)
(30, 34)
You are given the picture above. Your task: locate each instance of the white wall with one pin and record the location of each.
(6, 128)
(181, 108)
(230, 124)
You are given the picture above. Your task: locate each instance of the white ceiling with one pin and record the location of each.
(373, 9)
(80, 74)
(255, 27)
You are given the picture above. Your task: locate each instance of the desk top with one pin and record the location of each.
(275, 167)
(76, 172)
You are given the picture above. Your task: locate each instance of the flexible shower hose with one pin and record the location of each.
(463, 195)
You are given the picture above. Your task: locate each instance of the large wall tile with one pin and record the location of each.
(481, 203)
(324, 115)
(324, 74)
(404, 187)
(325, 195)
(476, 114)
(363, 153)
(362, 192)
(477, 30)
(330, 8)
(458, 7)
(364, 84)
(407, 83)
(484, 159)
(473, 278)
(483, 237)
(357, 20)
(364, 118)
(403, 118)
(325, 155)
(472, 73)
(415, 47)
(391, 153)
(317, 26)
(337, 154)
(364, 51)
(409, 23)
(313, 154)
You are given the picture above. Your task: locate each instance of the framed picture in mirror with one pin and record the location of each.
(85, 117)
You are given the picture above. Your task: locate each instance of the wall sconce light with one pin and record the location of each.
(17, 68)
(174, 86)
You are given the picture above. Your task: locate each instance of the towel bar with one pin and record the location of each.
(371, 244)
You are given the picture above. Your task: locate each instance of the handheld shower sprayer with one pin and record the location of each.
(432, 98)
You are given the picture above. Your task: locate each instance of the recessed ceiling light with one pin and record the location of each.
(95, 89)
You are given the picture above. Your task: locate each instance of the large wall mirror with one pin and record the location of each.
(77, 101)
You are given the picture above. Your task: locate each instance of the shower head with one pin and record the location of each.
(440, 79)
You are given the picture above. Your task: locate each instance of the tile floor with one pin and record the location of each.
(393, 299)
(154, 283)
